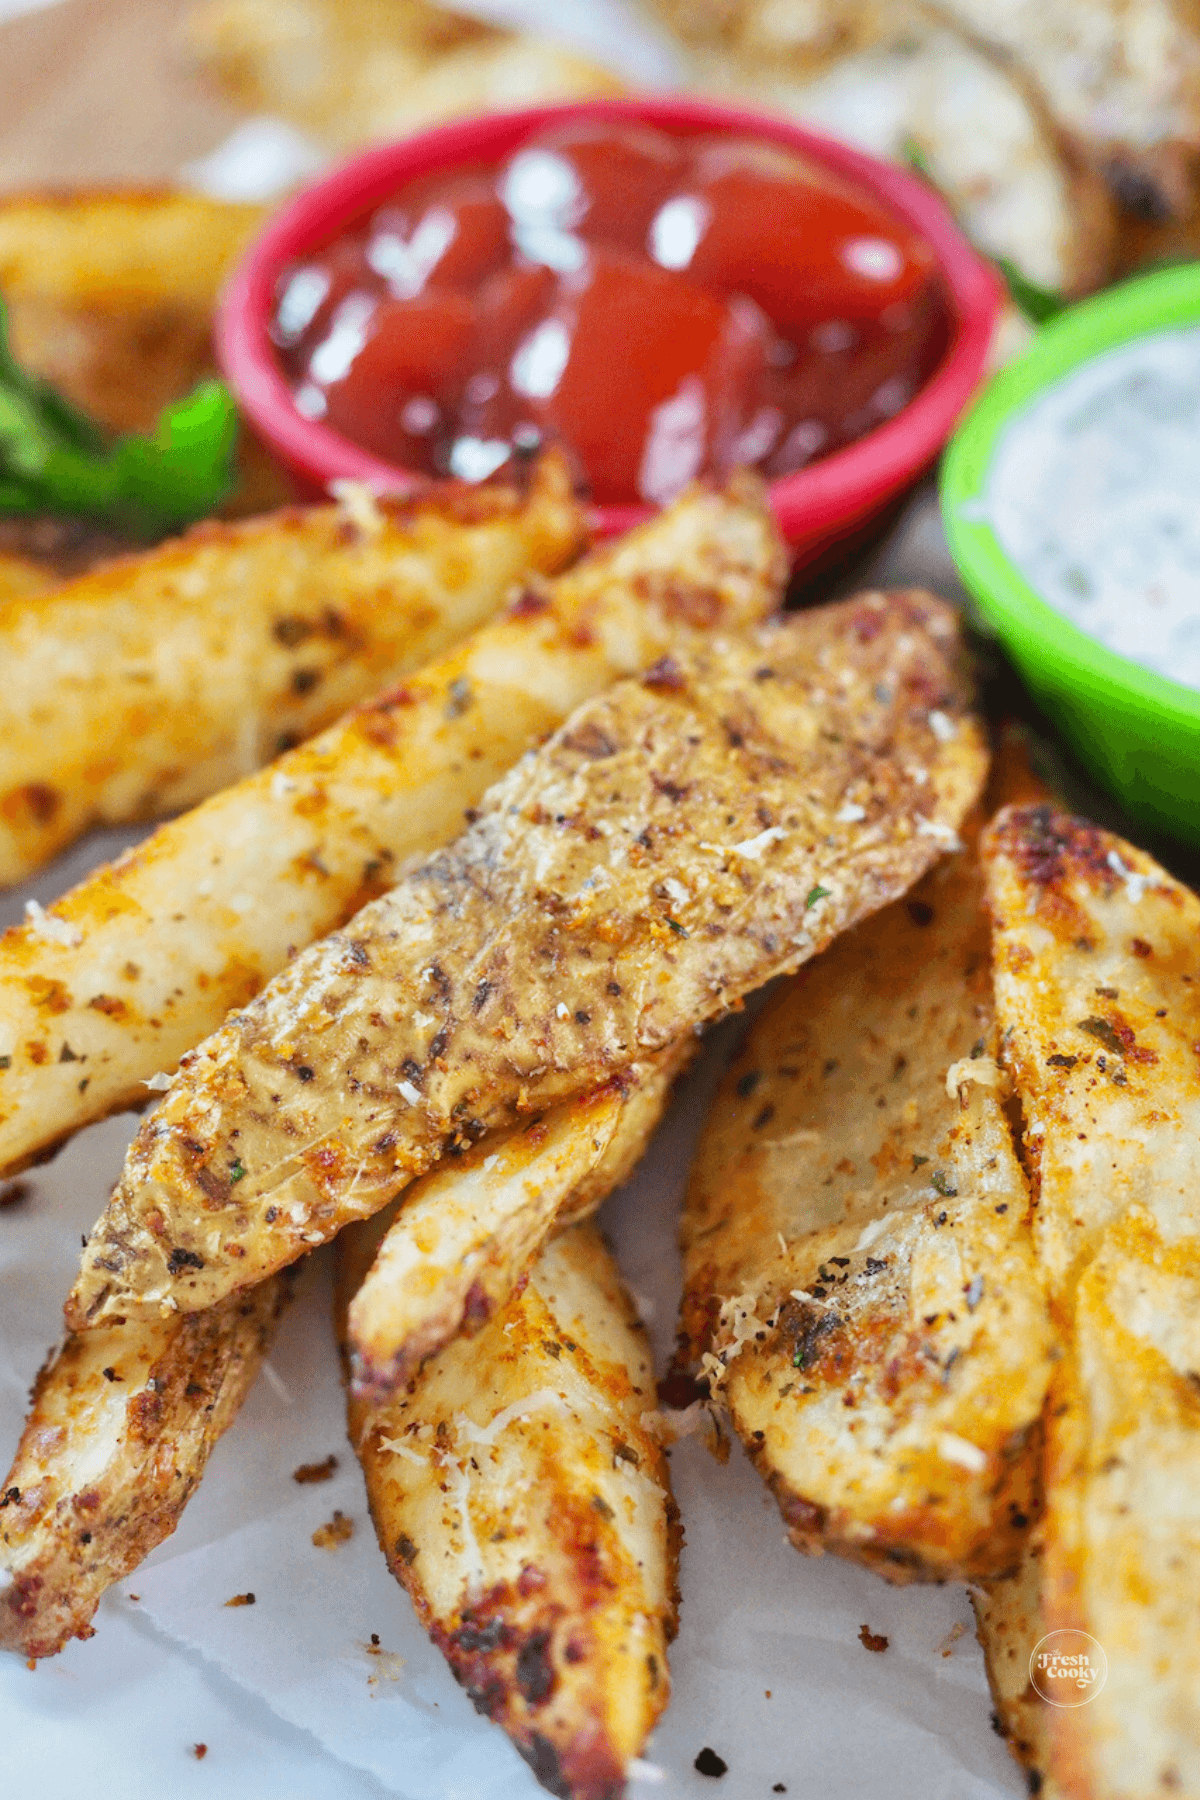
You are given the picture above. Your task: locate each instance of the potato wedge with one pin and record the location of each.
(110, 296)
(111, 293)
(895, 79)
(860, 1287)
(676, 843)
(1009, 1620)
(121, 1426)
(145, 958)
(465, 1233)
(147, 684)
(1097, 971)
(355, 70)
(521, 1495)
(1121, 79)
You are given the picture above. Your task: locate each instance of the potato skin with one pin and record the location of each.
(521, 1496)
(556, 941)
(143, 959)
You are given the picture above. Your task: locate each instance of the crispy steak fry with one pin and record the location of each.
(860, 1286)
(679, 841)
(121, 1426)
(465, 1233)
(147, 684)
(1097, 960)
(145, 958)
(521, 1495)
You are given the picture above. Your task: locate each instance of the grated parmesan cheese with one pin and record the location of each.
(1135, 884)
(359, 505)
(973, 1068)
(937, 828)
(487, 1434)
(954, 1449)
(410, 1093)
(398, 1449)
(869, 1233)
(49, 925)
(757, 847)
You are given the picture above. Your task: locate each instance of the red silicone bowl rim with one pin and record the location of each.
(813, 505)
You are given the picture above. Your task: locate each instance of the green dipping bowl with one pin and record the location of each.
(1137, 733)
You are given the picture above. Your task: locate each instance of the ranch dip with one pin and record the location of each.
(1094, 494)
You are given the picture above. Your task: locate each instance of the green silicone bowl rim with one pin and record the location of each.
(1146, 304)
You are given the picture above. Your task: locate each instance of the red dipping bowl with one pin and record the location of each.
(830, 501)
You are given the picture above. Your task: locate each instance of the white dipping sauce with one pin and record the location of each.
(1094, 494)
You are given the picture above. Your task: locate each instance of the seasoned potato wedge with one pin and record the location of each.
(899, 79)
(1097, 970)
(147, 684)
(120, 978)
(121, 1425)
(860, 1287)
(1008, 1613)
(110, 294)
(465, 1233)
(355, 70)
(521, 1495)
(1121, 80)
(680, 840)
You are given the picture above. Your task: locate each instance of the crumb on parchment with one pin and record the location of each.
(315, 1471)
(338, 1530)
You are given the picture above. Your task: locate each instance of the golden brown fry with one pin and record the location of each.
(196, 918)
(679, 841)
(1097, 972)
(22, 576)
(355, 70)
(465, 1233)
(145, 685)
(110, 294)
(860, 1286)
(521, 1495)
(121, 1426)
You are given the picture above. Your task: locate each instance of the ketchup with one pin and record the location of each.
(661, 307)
